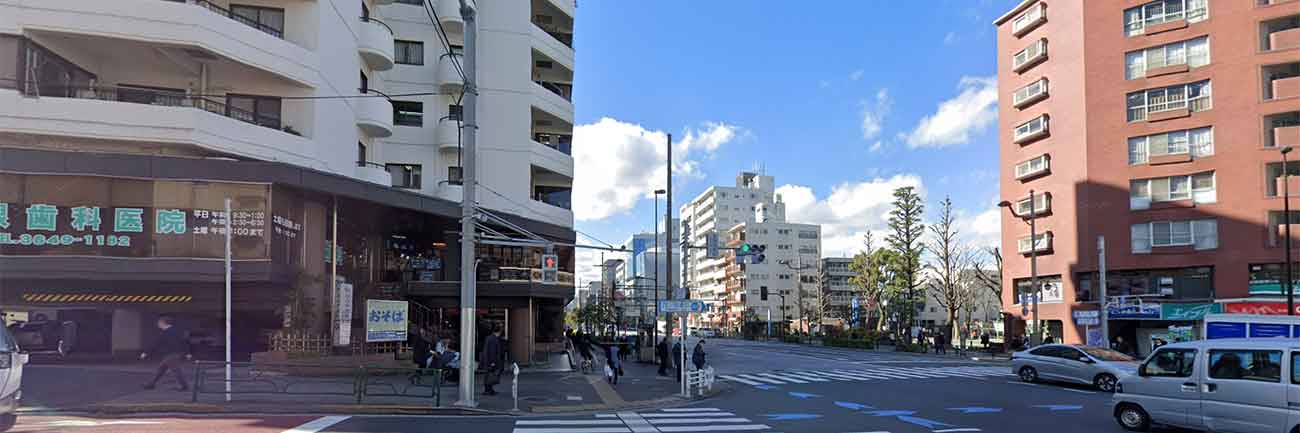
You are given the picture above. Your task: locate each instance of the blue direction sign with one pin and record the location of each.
(682, 306)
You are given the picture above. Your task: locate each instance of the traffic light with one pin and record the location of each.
(758, 255)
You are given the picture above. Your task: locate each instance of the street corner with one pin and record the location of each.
(174, 424)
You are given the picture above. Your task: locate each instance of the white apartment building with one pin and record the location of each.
(124, 125)
(715, 211)
(838, 289)
(784, 285)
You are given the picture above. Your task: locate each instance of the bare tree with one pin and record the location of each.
(992, 278)
(951, 260)
(874, 275)
(818, 300)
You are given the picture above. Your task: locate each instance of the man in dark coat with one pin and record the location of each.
(172, 349)
(494, 356)
(661, 351)
(677, 359)
(697, 356)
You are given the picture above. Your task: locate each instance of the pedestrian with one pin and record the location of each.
(1119, 345)
(494, 359)
(677, 358)
(697, 355)
(613, 365)
(941, 343)
(661, 352)
(172, 348)
(984, 342)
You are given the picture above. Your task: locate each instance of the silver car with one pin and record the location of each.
(1096, 366)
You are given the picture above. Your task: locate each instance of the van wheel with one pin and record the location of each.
(1105, 382)
(1028, 374)
(1133, 418)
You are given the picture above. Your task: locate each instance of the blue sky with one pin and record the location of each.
(841, 104)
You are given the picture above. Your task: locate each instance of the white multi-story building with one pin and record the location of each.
(147, 114)
(715, 211)
(784, 285)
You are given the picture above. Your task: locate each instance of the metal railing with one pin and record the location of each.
(239, 18)
(373, 20)
(563, 90)
(145, 96)
(562, 143)
(290, 379)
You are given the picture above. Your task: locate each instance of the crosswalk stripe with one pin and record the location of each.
(804, 376)
(707, 428)
(688, 415)
(569, 422)
(691, 409)
(905, 374)
(837, 376)
(783, 377)
(761, 379)
(882, 375)
(693, 421)
(737, 379)
(574, 430)
(862, 375)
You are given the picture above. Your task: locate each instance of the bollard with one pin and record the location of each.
(514, 385)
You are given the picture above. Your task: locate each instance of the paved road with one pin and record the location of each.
(779, 388)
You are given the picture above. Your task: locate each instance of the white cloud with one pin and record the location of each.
(586, 262)
(873, 114)
(981, 230)
(875, 147)
(957, 119)
(850, 211)
(856, 75)
(950, 38)
(617, 163)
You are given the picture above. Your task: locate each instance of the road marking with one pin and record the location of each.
(318, 424)
(804, 376)
(782, 377)
(737, 379)
(636, 423)
(573, 398)
(691, 409)
(955, 430)
(700, 428)
(569, 422)
(761, 379)
(686, 415)
(574, 430)
(658, 421)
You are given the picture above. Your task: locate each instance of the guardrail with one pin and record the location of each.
(292, 379)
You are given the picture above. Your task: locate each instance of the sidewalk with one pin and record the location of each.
(116, 390)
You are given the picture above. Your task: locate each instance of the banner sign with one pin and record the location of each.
(1134, 311)
(1087, 317)
(386, 320)
(1189, 312)
(1265, 308)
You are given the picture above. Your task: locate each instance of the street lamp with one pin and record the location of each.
(1286, 210)
(654, 335)
(1035, 337)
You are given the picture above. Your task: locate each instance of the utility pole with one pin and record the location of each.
(1286, 206)
(668, 217)
(468, 204)
(1104, 314)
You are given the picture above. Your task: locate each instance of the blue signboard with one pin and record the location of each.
(1217, 330)
(1269, 330)
(1136, 311)
(682, 306)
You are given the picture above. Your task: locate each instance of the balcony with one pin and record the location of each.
(374, 173)
(561, 143)
(562, 90)
(1284, 39)
(449, 78)
(376, 44)
(1170, 25)
(552, 103)
(449, 15)
(1286, 136)
(447, 136)
(374, 116)
(1284, 182)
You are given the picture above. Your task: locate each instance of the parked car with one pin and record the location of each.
(12, 360)
(46, 337)
(1095, 366)
(1226, 385)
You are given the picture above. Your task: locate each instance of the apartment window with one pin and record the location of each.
(1193, 97)
(405, 175)
(1030, 55)
(1198, 142)
(783, 276)
(408, 113)
(258, 110)
(1137, 19)
(408, 52)
(1042, 242)
(1042, 204)
(1193, 53)
(1029, 19)
(268, 20)
(1202, 234)
(1030, 130)
(454, 112)
(1196, 187)
(1030, 93)
(807, 234)
(762, 293)
(1033, 167)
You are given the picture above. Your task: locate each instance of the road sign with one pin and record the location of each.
(682, 306)
(550, 268)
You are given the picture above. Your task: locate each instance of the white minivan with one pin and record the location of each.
(11, 378)
(1226, 385)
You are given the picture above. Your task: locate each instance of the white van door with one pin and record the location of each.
(11, 365)
(1293, 389)
(1243, 392)
(1166, 388)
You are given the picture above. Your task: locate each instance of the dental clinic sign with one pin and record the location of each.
(45, 229)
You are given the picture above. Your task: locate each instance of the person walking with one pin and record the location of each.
(697, 356)
(613, 363)
(171, 348)
(661, 352)
(494, 356)
(677, 358)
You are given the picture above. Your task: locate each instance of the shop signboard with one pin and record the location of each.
(1087, 317)
(386, 320)
(342, 313)
(1189, 312)
(43, 215)
(1264, 308)
(1134, 312)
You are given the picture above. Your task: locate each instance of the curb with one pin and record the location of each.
(136, 410)
(719, 388)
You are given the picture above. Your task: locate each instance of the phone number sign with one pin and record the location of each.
(42, 228)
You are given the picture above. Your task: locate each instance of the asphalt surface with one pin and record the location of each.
(773, 388)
